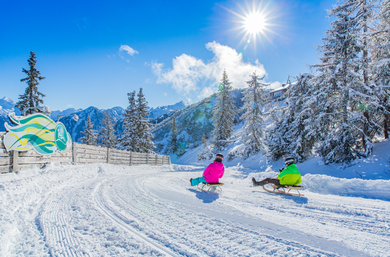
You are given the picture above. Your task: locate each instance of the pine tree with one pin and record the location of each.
(107, 133)
(128, 139)
(255, 99)
(302, 130)
(338, 89)
(380, 66)
(361, 12)
(90, 136)
(144, 143)
(173, 143)
(277, 142)
(223, 114)
(294, 133)
(31, 97)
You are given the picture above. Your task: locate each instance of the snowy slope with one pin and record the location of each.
(106, 210)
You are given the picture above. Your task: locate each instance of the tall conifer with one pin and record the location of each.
(90, 135)
(338, 88)
(31, 97)
(107, 133)
(223, 113)
(127, 141)
(255, 99)
(380, 66)
(144, 143)
(173, 143)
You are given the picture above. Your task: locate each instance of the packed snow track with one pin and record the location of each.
(104, 210)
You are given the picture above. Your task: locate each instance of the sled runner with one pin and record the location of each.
(209, 187)
(284, 189)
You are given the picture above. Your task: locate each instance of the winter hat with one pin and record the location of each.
(219, 155)
(289, 160)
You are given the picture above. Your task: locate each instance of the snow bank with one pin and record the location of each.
(323, 184)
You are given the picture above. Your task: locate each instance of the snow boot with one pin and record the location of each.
(256, 183)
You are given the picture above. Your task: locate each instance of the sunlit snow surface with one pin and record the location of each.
(106, 210)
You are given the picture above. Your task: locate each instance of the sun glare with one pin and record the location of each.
(254, 23)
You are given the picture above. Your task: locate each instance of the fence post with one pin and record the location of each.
(169, 160)
(156, 160)
(74, 152)
(108, 155)
(147, 159)
(131, 158)
(15, 161)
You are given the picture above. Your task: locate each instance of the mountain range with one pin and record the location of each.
(7, 106)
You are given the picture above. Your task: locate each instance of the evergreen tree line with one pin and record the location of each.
(255, 100)
(337, 110)
(136, 136)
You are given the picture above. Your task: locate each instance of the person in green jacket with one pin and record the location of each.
(287, 176)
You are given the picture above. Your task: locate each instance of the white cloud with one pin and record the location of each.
(190, 74)
(128, 49)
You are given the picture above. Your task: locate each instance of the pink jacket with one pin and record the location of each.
(214, 172)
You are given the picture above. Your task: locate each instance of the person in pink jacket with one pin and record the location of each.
(212, 173)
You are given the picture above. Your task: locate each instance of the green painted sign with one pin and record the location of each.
(38, 132)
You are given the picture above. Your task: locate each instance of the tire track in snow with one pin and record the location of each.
(122, 222)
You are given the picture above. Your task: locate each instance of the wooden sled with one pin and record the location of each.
(284, 189)
(209, 187)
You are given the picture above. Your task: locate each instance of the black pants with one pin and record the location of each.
(270, 180)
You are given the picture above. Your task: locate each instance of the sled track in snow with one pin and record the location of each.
(210, 232)
(122, 222)
(52, 222)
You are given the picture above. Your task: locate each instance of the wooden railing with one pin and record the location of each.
(80, 154)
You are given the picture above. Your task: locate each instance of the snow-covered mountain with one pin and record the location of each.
(193, 123)
(157, 115)
(55, 114)
(7, 106)
(161, 110)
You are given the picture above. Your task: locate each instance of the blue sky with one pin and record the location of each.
(93, 53)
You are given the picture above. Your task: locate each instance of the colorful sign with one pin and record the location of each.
(38, 132)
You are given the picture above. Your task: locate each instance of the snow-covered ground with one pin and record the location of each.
(106, 210)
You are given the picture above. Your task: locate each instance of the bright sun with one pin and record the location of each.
(254, 23)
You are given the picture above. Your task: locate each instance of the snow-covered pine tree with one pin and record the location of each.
(275, 140)
(293, 133)
(127, 141)
(362, 14)
(255, 100)
(380, 65)
(338, 89)
(107, 135)
(173, 142)
(31, 97)
(223, 114)
(144, 143)
(90, 135)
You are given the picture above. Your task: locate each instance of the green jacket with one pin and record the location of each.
(290, 175)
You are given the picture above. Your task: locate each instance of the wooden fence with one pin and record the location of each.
(5, 158)
(80, 154)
